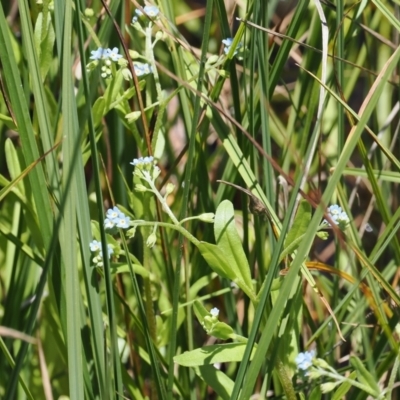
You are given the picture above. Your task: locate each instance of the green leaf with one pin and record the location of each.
(8, 121)
(98, 110)
(208, 355)
(344, 387)
(215, 258)
(363, 375)
(315, 394)
(121, 268)
(229, 241)
(218, 261)
(44, 41)
(383, 175)
(200, 311)
(223, 331)
(300, 224)
(216, 379)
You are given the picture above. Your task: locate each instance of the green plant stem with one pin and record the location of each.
(178, 228)
(286, 382)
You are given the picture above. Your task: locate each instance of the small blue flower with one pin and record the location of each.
(97, 54)
(304, 360)
(113, 213)
(95, 245)
(228, 43)
(214, 312)
(113, 54)
(142, 69)
(116, 218)
(151, 11)
(122, 222)
(142, 161)
(110, 251)
(138, 12)
(109, 223)
(338, 216)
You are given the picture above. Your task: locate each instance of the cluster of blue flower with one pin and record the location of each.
(106, 54)
(338, 216)
(228, 44)
(150, 11)
(142, 160)
(304, 360)
(95, 247)
(116, 218)
(142, 69)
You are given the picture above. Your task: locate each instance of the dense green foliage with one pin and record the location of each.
(231, 272)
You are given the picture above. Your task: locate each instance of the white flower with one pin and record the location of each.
(214, 312)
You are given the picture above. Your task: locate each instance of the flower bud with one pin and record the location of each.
(151, 240)
(131, 232)
(134, 54)
(159, 35)
(323, 235)
(319, 362)
(140, 188)
(207, 217)
(169, 189)
(89, 12)
(328, 386)
(133, 116)
(156, 172)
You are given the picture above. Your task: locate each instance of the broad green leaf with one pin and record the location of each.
(208, 355)
(229, 242)
(216, 379)
(218, 261)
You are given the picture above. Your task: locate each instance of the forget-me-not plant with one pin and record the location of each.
(338, 216)
(95, 247)
(304, 360)
(228, 44)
